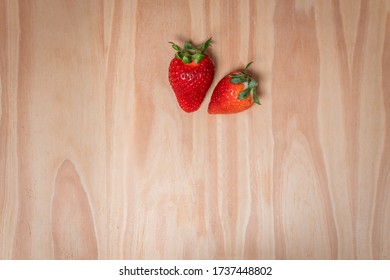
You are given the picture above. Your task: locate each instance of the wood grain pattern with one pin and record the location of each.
(97, 161)
(73, 235)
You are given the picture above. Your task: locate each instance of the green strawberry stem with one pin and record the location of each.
(190, 53)
(243, 77)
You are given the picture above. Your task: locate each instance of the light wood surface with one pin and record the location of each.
(98, 161)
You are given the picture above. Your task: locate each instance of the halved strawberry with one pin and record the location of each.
(191, 73)
(236, 92)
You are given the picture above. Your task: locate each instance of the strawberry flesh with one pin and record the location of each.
(190, 81)
(235, 93)
(225, 98)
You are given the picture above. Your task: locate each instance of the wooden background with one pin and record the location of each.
(98, 161)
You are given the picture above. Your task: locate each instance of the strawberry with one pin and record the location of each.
(191, 73)
(234, 93)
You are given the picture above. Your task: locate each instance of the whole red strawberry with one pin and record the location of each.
(236, 92)
(191, 73)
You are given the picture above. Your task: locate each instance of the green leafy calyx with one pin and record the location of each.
(191, 53)
(251, 89)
